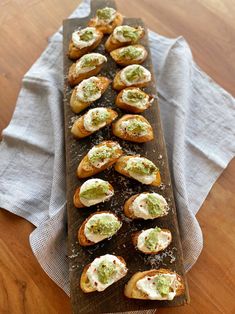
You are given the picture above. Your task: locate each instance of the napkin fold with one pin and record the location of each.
(198, 118)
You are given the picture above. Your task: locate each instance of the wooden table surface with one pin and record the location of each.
(208, 26)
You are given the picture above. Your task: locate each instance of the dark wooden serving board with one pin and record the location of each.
(113, 299)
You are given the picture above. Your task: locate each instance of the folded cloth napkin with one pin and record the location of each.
(198, 118)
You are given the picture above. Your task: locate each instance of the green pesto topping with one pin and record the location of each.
(142, 167)
(99, 117)
(151, 240)
(87, 35)
(130, 52)
(105, 271)
(105, 13)
(95, 190)
(88, 61)
(134, 73)
(136, 126)
(129, 32)
(90, 89)
(135, 95)
(102, 153)
(163, 284)
(107, 226)
(153, 205)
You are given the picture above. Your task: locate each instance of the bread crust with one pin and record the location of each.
(131, 291)
(86, 169)
(108, 28)
(77, 105)
(84, 281)
(120, 167)
(135, 236)
(124, 61)
(117, 130)
(119, 85)
(82, 239)
(78, 130)
(75, 53)
(121, 104)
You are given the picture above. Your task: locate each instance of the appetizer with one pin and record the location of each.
(87, 66)
(92, 192)
(139, 168)
(87, 92)
(106, 20)
(134, 128)
(92, 121)
(102, 273)
(134, 54)
(133, 99)
(132, 75)
(83, 41)
(146, 205)
(99, 158)
(152, 241)
(155, 284)
(98, 227)
(123, 36)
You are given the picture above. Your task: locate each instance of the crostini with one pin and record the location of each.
(132, 75)
(152, 241)
(146, 205)
(87, 92)
(92, 121)
(133, 128)
(92, 192)
(133, 54)
(98, 227)
(139, 168)
(106, 20)
(102, 273)
(87, 66)
(155, 284)
(99, 158)
(133, 99)
(83, 41)
(124, 35)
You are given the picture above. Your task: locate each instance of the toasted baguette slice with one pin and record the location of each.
(120, 132)
(126, 60)
(131, 290)
(121, 164)
(119, 102)
(136, 235)
(82, 239)
(86, 169)
(84, 281)
(78, 128)
(75, 53)
(107, 28)
(112, 43)
(75, 77)
(78, 105)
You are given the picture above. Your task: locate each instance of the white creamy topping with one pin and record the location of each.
(94, 59)
(140, 75)
(143, 178)
(140, 208)
(148, 286)
(79, 42)
(89, 119)
(95, 200)
(93, 236)
(126, 127)
(140, 103)
(119, 33)
(108, 151)
(104, 21)
(88, 90)
(164, 239)
(93, 275)
(138, 49)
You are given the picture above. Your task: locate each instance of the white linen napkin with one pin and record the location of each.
(198, 117)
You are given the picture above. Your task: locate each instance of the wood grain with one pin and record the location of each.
(208, 26)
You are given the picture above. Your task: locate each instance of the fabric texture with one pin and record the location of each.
(198, 118)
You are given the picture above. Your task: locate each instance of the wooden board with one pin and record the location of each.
(112, 299)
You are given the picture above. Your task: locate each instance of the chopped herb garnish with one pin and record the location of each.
(151, 240)
(87, 35)
(130, 52)
(134, 73)
(105, 271)
(154, 205)
(95, 190)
